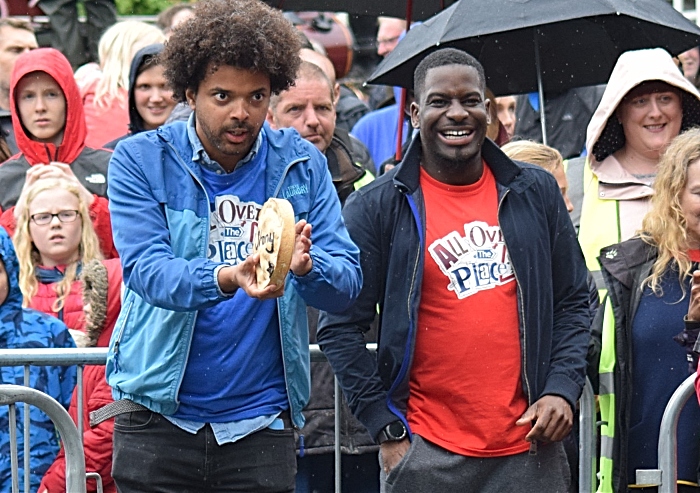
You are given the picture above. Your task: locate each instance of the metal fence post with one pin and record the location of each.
(668, 437)
(587, 440)
(75, 460)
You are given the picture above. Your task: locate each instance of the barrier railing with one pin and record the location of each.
(75, 460)
(665, 477)
(98, 356)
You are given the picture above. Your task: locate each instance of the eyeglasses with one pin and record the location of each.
(44, 218)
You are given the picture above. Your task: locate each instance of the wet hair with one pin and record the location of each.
(534, 153)
(246, 34)
(445, 56)
(665, 226)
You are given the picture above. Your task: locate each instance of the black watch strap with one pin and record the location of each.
(393, 432)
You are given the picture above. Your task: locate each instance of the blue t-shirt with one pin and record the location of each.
(659, 366)
(234, 371)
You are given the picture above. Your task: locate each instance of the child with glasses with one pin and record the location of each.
(62, 273)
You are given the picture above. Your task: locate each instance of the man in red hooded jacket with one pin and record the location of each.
(49, 123)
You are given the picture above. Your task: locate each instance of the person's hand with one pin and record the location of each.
(552, 416)
(53, 170)
(392, 453)
(243, 276)
(694, 306)
(301, 257)
(67, 174)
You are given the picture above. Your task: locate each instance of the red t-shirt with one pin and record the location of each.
(465, 383)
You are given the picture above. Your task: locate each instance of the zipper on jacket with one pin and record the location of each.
(120, 334)
(279, 310)
(404, 365)
(521, 303)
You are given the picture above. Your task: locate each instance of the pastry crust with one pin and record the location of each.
(274, 242)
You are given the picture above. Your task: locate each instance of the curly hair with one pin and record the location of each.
(665, 226)
(27, 253)
(245, 34)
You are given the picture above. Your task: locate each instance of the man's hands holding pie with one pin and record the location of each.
(243, 275)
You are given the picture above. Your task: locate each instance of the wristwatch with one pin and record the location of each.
(393, 432)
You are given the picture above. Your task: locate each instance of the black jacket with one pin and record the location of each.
(386, 219)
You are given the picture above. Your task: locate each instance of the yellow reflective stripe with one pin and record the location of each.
(607, 351)
(605, 484)
(599, 226)
(366, 178)
(606, 399)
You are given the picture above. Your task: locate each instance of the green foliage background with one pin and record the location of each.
(143, 7)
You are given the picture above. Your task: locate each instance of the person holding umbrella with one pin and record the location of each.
(483, 305)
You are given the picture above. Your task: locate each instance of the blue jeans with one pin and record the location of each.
(151, 455)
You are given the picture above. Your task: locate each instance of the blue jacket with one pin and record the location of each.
(26, 328)
(386, 219)
(160, 218)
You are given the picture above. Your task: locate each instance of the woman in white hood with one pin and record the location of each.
(646, 104)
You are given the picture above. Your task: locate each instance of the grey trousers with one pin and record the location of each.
(429, 468)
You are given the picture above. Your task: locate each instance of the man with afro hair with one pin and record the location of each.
(209, 370)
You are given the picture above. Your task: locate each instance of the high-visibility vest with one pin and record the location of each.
(600, 221)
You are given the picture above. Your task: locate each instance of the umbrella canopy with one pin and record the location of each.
(566, 43)
(419, 10)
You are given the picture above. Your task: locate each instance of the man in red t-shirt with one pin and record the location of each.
(481, 288)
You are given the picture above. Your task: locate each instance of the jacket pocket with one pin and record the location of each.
(120, 329)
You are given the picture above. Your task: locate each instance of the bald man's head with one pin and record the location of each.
(325, 64)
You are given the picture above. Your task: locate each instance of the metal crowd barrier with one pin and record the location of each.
(9, 394)
(666, 476)
(75, 459)
(97, 356)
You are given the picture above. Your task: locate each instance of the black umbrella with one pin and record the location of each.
(541, 45)
(579, 41)
(415, 10)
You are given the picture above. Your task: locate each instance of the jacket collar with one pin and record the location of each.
(621, 259)
(505, 171)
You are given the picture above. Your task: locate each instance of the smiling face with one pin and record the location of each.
(690, 205)
(307, 106)
(452, 115)
(153, 97)
(42, 107)
(58, 243)
(230, 107)
(651, 115)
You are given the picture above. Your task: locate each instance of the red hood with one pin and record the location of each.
(57, 66)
